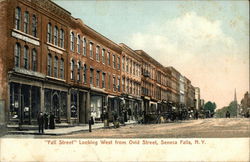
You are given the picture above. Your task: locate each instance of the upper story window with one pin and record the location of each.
(108, 58)
(103, 56)
(26, 57)
(134, 68)
(34, 60)
(26, 22)
(127, 62)
(72, 37)
(49, 33)
(79, 71)
(118, 84)
(103, 80)
(56, 67)
(109, 79)
(85, 73)
(131, 64)
(114, 83)
(62, 69)
(72, 65)
(97, 53)
(49, 64)
(123, 84)
(84, 47)
(118, 63)
(91, 49)
(98, 78)
(62, 38)
(123, 63)
(56, 36)
(18, 18)
(17, 54)
(34, 26)
(91, 76)
(114, 62)
(78, 44)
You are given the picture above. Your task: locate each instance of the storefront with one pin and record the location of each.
(24, 103)
(55, 102)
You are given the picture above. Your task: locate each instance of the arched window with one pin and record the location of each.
(56, 36)
(78, 44)
(85, 73)
(49, 64)
(62, 38)
(26, 22)
(84, 47)
(56, 67)
(72, 41)
(17, 54)
(26, 57)
(49, 33)
(18, 18)
(34, 60)
(72, 64)
(62, 69)
(78, 71)
(34, 26)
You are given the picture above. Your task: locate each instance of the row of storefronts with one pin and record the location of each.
(68, 104)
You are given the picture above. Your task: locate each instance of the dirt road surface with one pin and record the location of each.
(202, 128)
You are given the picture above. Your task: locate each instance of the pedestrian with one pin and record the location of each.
(40, 121)
(46, 121)
(227, 114)
(125, 115)
(129, 114)
(52, 121)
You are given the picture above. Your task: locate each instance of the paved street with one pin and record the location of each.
(202, 128)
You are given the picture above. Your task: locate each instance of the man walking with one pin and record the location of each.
(40, 121)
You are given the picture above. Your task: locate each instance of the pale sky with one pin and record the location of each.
(207, 41)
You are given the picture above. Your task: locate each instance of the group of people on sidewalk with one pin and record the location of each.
(45, 121)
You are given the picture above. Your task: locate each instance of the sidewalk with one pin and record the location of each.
(65, 131)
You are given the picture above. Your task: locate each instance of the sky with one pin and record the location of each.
(206, 41)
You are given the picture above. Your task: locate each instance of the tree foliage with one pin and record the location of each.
(232, 108)
(210, 106)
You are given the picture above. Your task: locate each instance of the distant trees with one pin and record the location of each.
(232, 108)
(209, 108)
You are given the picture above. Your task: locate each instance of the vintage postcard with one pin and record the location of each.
(133, 80)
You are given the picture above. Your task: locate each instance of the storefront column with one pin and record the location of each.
(20, 103)
(88, 111)
(42, 107)
(30, 98)
(68, 105)
(78, 104)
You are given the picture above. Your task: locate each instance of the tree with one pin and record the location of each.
(209, 107)
(232, 108)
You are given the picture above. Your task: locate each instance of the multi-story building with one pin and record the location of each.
(175, 85)
(131, 80)
(182, 90)
(155, 83)
(197, 98)
(54, 63)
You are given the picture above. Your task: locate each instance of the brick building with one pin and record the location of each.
(54, 63)
(131, 80)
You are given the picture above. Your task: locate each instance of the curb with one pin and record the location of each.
(59, 134)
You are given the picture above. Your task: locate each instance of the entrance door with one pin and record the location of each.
(55, 107)
(82, 107)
